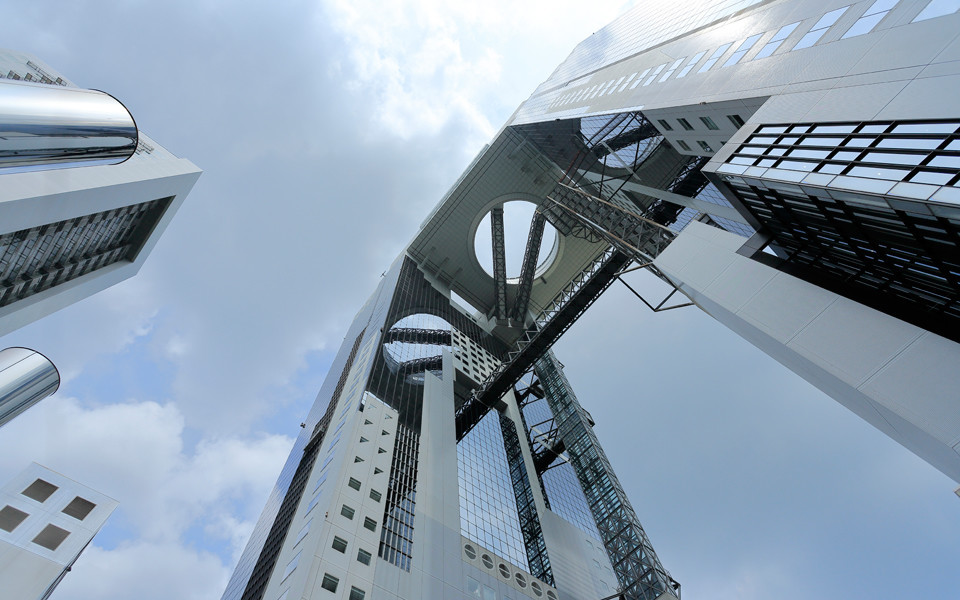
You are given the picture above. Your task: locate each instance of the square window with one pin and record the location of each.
(79, 508)
(347, 512)
(329, 582)
(357, 459)
(369, 523)
(377, 470)
(709, 123)
(381, 451)
(339, 544)
(364, 556)
(354, 484)
(384, 432)
(685, 124)
(51, 537)
(375, 495)
(357, 593)
(665, 124)
(40, 490)
(683, 145)
(10, 518)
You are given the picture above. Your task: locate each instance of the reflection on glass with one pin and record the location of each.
(938, 8)
(777, 39)
(44, 125)
(820, 28)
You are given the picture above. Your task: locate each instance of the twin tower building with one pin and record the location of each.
(791, 167)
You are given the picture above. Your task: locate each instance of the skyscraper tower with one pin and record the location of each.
(790, 166)
(84, 195)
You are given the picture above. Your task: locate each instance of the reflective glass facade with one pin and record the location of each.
(643, 27)
(488, 508)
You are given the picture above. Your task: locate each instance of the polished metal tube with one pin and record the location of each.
(48, 125)
(26, 377)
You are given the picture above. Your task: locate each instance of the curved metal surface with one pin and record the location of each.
(26, 377)
(46, 125)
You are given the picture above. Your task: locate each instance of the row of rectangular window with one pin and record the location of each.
(865, 24)
(736, 120)
(330, 583)
(919, 152)
(340, 545)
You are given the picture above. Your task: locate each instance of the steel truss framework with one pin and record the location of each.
(499, 262)
(530, 526)
(639, 572)
(527, 271)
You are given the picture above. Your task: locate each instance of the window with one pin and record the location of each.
(363, 556)
(665, 124)
(363, 439)
(684, 145)
(384, 432)
(329, 582)
(381, 451)
(320, 481)
(347, 512)
(303, 533)
(356, 593)
(355, 484)
(367, 422)
(709, 123)
(714, 57)
(693, 61)
(40, 490)
(79, 508)
(10, 518)
(743, 49)
(865, 24)
(777, 39)
(706, 147)
(473, 588)
(654, 74)
(670, 71)
(375, 495)
(377, 470)
(685, 124)
(736, 120)
(357, 459)
(313, 503)
(291, 567)
(938, 8)
(328, 459)
(819, 28)
(369, 523)
(339, 544)
(51, 537)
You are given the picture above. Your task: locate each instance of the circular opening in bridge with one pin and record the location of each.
(414, 345)
(517, 215)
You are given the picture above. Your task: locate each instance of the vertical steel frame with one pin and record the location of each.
(639, 572)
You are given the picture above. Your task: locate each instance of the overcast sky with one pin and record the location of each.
(326, 132)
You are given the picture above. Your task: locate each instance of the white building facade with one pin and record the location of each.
(46, 521)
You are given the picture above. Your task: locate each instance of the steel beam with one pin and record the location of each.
(499, 263)
(410, 335)
(639, 572)
(529, 268)
(572, 301)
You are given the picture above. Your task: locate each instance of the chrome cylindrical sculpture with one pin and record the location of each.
(26, 377)
(47, 125)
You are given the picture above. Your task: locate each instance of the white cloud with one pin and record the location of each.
(136, 453)
(145, 571)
